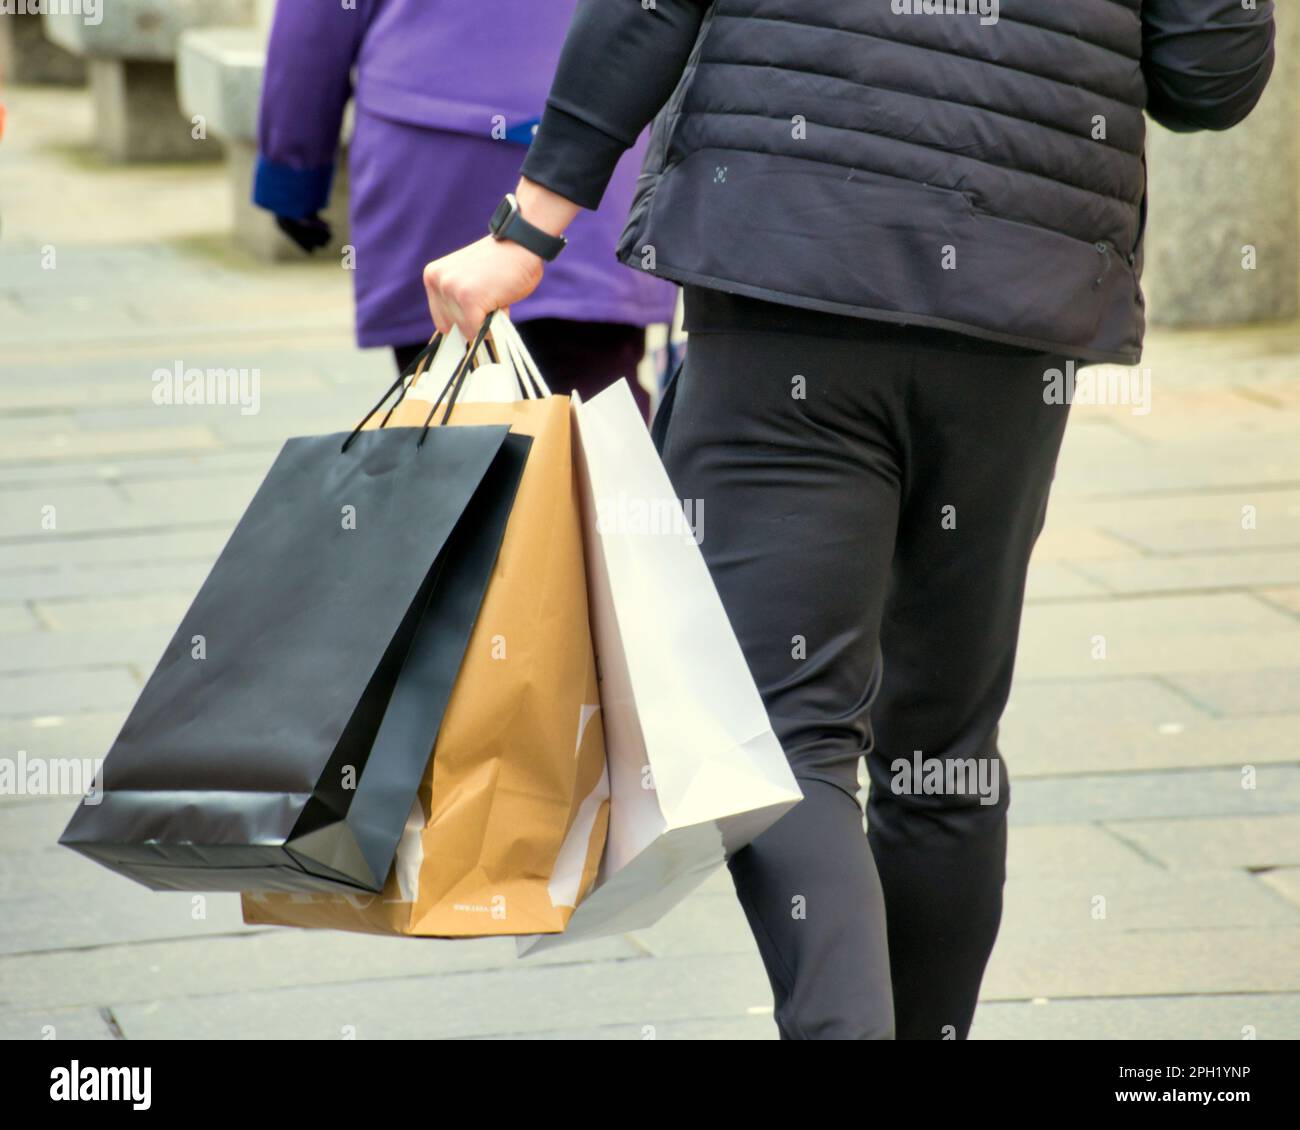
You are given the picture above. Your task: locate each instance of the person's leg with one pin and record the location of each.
(799, 500)
(403, 355)
(982, 447)
(585, 357)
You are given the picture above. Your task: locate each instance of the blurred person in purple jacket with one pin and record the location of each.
(448, 94)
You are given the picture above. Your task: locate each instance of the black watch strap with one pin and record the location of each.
(508, 223)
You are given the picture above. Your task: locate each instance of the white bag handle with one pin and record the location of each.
(522, 359)
(528, 383)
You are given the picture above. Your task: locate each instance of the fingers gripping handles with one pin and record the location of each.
(412, 373)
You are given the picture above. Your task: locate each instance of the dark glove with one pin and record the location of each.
(310, 233)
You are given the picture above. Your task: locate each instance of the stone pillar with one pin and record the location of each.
(136, 117)
(26, 56)
(1212, 195)
(131, 53)
(263, 15)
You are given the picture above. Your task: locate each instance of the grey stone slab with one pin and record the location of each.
(53, 899)
(155, 423)
(1206, 353)
(136, 647)
(219, 75)
(77, 509)
(244, 960)
(251, 460)
(1086, 447)
(108, 402)
(1067, 701)
(15, 617)
(1223, 532)
(1287, 599)
(1152, 796)
(1054, 581)
(122, 378)
(1039, 747)
(522, 1000)
(1065, 849)
(95, 614)
(60, 735)
(310, 420)
(136, 549)
(181, 321)
(1242, 462)
(67, 691)
(52, 591)
(100, 914)
(758, 1025)
(370, 368)
(1144, 963)
(1244, 841)
(80, 267)
(1091, 903)
(1159, 635)
(54, 1024)
(1238, 570)
(80, 446)
(1267, 691)
(212, 499)
(1263, 1016)
(258, 387)
(292, 414)
(1284, 882)
(43, 426)
(702, 924)
(34, 828)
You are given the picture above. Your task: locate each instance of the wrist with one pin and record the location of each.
(543, 208)
(509, 224)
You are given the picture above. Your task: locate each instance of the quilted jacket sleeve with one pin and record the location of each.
(621, 62)
(1206, 62)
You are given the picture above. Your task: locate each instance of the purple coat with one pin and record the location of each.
(447, 96)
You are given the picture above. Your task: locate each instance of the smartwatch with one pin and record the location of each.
(508, 223)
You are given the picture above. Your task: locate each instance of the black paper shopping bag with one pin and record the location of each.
(280, 741)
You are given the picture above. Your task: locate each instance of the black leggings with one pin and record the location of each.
(869, 507)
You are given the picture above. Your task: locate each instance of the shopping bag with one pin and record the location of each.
(695, 770)
(509, 822)
(281, 739)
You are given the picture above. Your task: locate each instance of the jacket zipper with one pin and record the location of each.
(1103, 249)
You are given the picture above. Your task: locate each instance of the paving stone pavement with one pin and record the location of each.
(1154, 874)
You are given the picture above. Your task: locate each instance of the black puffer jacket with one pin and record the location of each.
(876, 159)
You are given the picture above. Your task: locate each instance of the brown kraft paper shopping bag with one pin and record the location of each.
(508, 827)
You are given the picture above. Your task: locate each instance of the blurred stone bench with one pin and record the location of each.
(219, 80)
(1223, 239)
(130, 55)
(27, 56)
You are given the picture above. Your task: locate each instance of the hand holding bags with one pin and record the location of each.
(505, 830)
(509, 822)
(281, 739)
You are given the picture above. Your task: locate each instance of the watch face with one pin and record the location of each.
(505, 210)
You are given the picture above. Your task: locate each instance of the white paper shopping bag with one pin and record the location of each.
(695, 769)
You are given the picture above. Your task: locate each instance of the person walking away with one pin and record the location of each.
(447, 96)
(894, 223)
